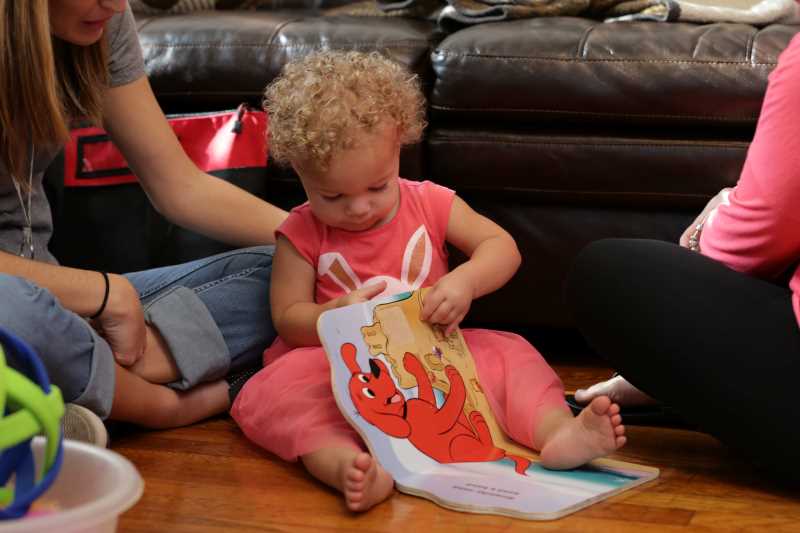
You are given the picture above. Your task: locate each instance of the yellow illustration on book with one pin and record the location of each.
(397, 330)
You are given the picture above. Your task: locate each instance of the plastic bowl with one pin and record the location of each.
(94, 487)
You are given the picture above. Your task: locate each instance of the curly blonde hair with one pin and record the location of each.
(320, 105)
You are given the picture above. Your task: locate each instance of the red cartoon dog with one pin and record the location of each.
(443, 434)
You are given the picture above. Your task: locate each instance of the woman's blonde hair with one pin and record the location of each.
(320, 105)
(44, 83)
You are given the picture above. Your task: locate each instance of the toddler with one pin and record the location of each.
(340, 120)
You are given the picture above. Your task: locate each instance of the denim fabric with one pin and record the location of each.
(213, 313)
(72, 352)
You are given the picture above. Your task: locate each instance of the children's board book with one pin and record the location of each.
(411, 392)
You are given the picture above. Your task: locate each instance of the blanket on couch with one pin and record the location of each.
(460, 12)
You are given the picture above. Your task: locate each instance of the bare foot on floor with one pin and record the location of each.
(365, 483)
(618, 389)
(595, 432)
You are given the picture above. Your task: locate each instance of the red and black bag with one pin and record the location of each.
(102, 218)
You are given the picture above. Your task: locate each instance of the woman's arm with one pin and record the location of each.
(176, 187)
(756, 229)
(493, 259)
(82, 292)
(292, 287)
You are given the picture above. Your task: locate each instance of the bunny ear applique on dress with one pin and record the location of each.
(335, 265)
(415, 268)
(417, 259)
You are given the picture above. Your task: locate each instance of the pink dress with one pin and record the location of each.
(288, 407)
(756, 230)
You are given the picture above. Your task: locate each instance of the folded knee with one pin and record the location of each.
(24, 306)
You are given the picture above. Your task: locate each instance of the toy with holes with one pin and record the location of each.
(29, 406)
(47, 482)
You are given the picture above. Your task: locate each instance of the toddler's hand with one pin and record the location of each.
(364, 294)
(447, 303)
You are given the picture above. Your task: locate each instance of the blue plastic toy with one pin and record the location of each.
(29, 406)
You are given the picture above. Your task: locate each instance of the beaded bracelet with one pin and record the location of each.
(694, 238)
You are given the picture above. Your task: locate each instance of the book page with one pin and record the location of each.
(413, 394)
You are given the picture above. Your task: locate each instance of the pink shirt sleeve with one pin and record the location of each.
(757, 229)
(303, 231)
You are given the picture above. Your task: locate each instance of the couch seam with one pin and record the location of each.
(750, 47)
(681, 145)
(210, 93)
(395, 44)
(587, 192)
(584, 42)
(589, 113)
(277, 30)
(699, 40)
(604, 60)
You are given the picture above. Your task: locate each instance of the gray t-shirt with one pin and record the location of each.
(125, 65)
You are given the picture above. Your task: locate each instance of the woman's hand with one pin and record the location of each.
(722, 196)
(122, 322)
(448, 302)
(364, 294)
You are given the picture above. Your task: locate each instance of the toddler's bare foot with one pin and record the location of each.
(618, 389)
(365, 483)
(595, 432)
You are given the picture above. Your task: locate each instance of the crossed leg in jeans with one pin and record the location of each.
(205, 319)
(719, 346)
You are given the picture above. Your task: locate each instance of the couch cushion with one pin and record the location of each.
(583, 71)
(218, 59)
(553, 167)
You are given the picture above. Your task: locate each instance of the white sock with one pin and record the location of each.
(618, 389)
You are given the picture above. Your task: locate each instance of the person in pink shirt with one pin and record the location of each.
(340, 120)
(710, 328)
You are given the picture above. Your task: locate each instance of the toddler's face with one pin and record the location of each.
(359, 191)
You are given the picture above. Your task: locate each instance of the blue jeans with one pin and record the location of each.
(213, 314)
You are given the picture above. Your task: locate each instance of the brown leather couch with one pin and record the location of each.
(563, 130)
